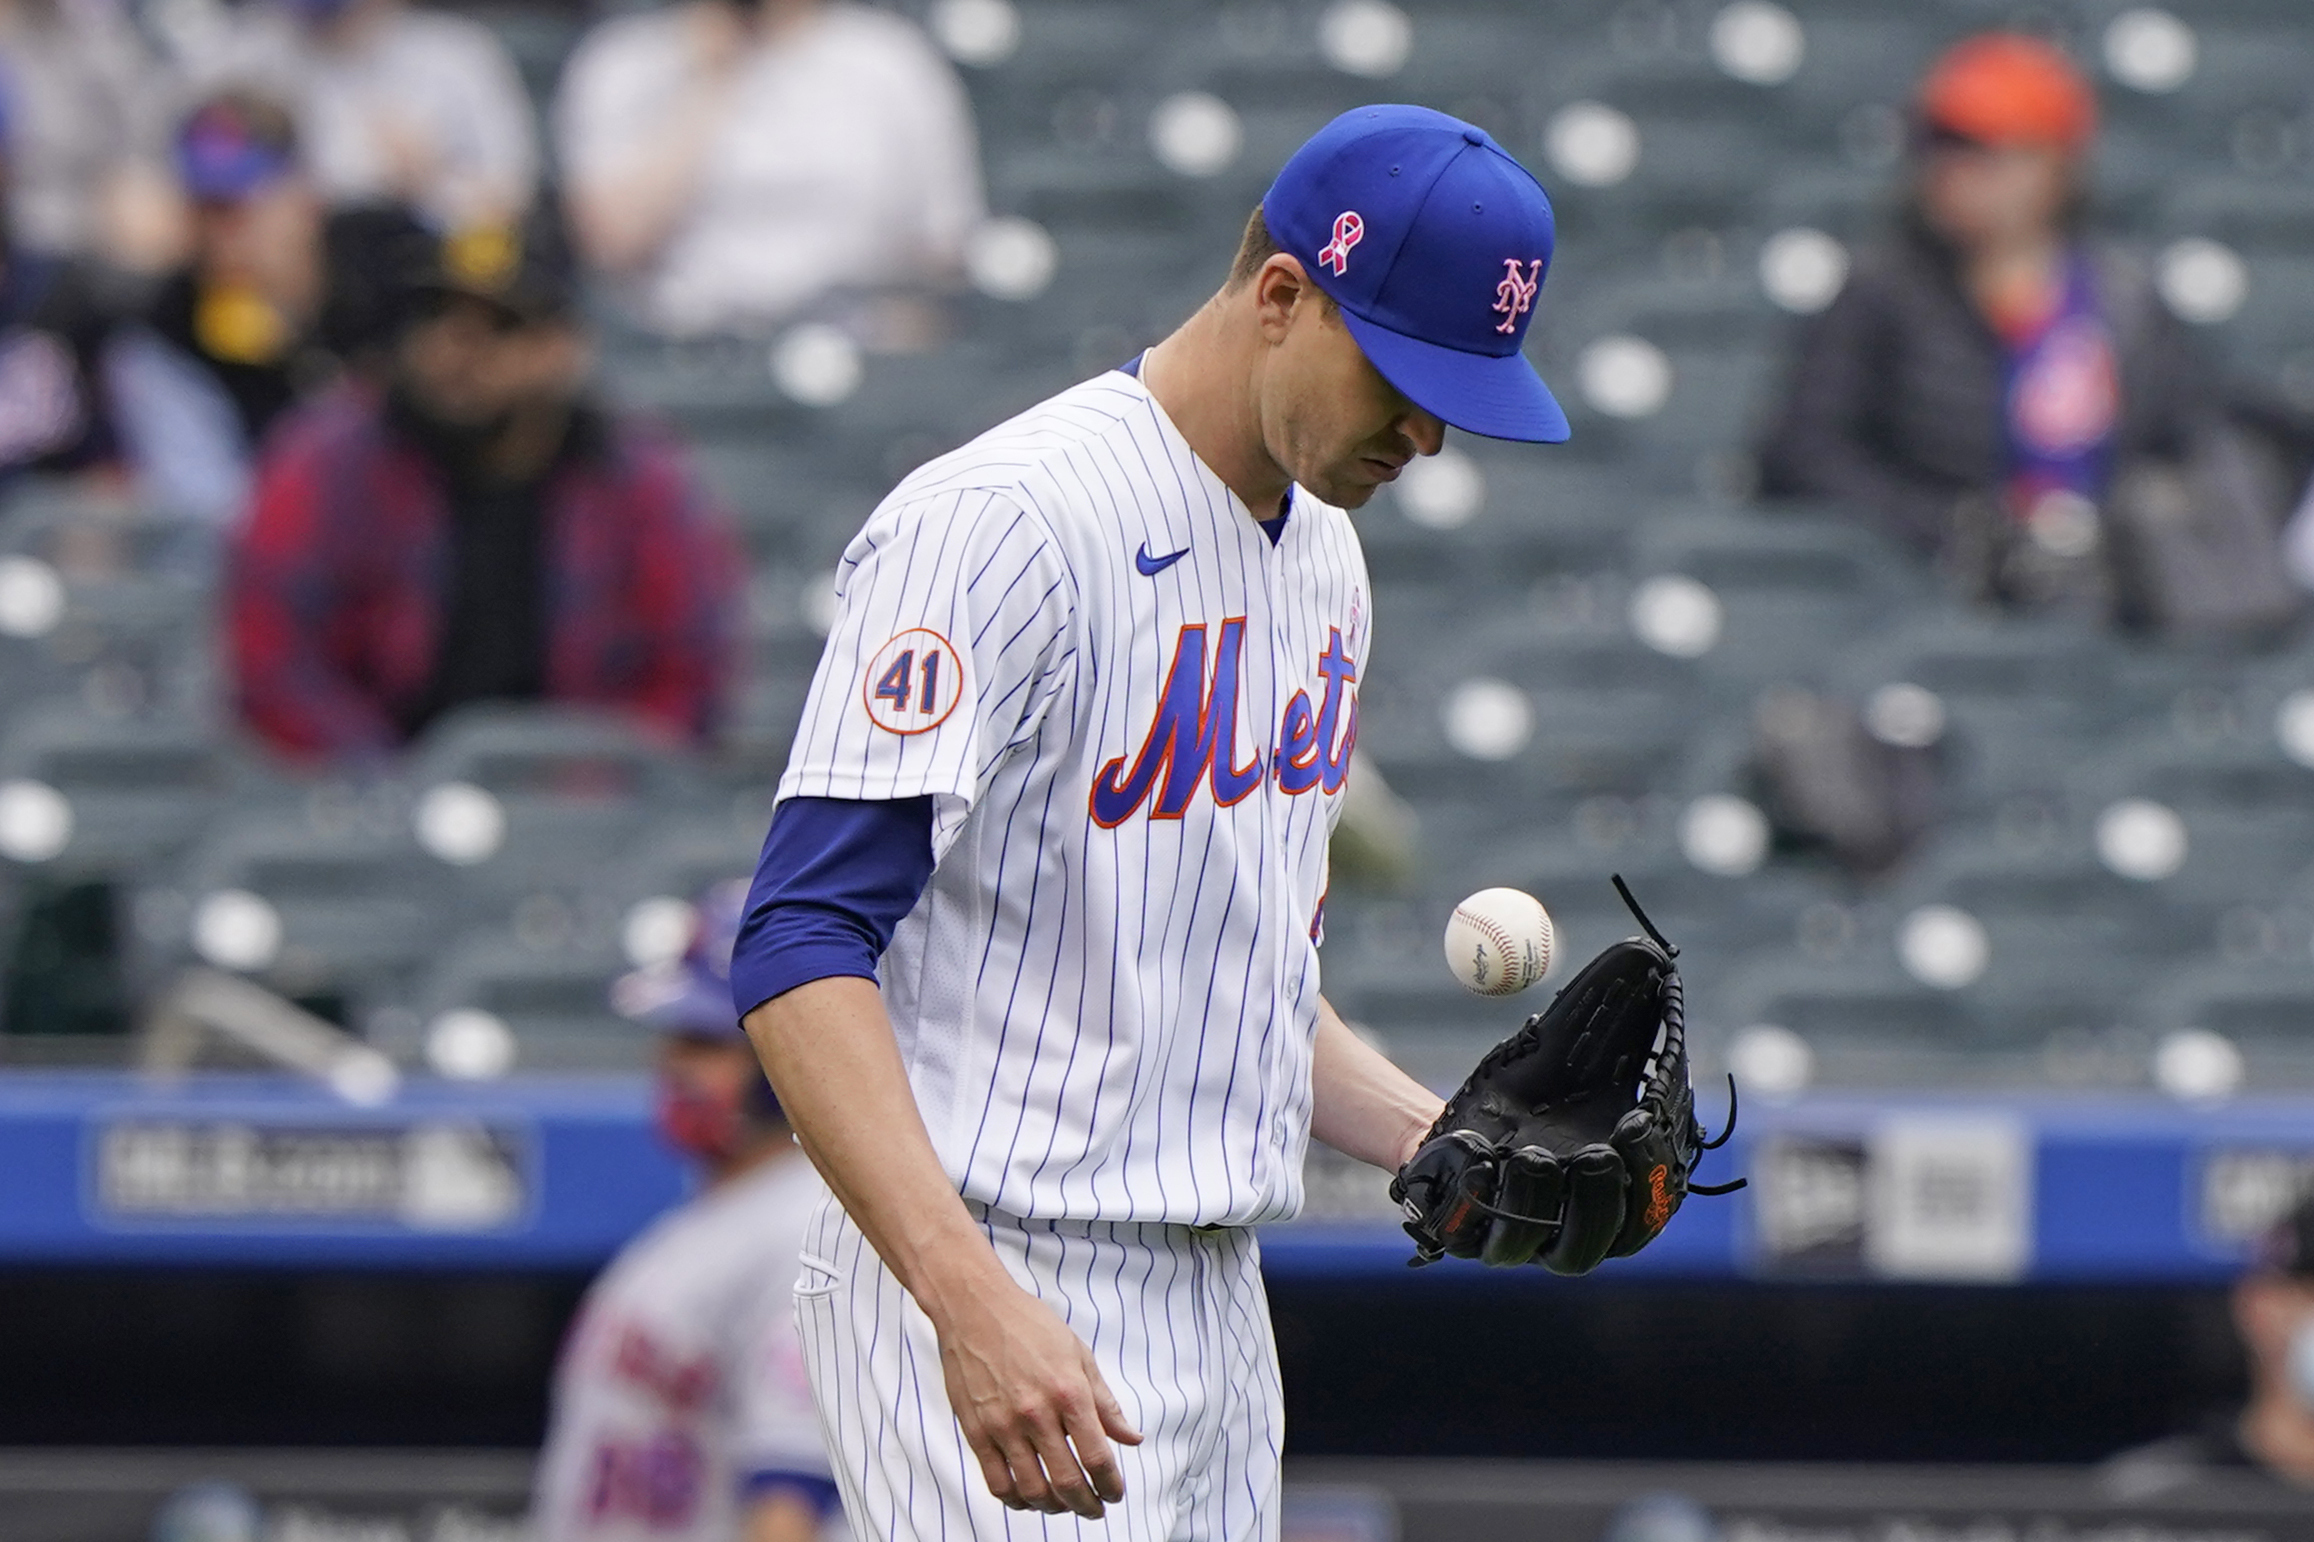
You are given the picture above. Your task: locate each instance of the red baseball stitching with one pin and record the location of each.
(1501, 939)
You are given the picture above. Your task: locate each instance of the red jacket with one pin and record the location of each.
(336, 584)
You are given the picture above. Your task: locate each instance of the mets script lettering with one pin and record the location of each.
(1193, 741)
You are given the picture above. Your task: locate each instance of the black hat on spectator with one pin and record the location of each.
(2288, 1245)
(525, 268)
(370, 253)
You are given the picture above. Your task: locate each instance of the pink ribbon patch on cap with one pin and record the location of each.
(1349, 230)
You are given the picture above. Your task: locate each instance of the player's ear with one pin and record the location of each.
(1279, 287)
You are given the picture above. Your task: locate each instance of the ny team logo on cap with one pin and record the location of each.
(1515, 295)
(1349, 230)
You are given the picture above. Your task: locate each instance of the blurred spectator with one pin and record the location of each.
(393, 102)
(88, 120)
(681, 1409)
(55, 312)
(226, 343)
(2273, 1309)
(2004, 394)
(476, 530)
(733, 164)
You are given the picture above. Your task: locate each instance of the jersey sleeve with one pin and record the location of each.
(955, 631)
(834, 882)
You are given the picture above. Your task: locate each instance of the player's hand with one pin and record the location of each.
(1032, 1404)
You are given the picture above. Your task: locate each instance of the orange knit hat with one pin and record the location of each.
(2004, 88)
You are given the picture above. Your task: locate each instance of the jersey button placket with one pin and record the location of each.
(1277, 811)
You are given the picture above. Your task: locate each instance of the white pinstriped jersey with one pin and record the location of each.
(1135, 714)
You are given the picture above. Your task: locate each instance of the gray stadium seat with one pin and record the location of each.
(360, 905)
(1566, 861)
(1610, 716)
(1867, 1012)
(139, 613)
(2259, 215)
(2071, 944)
(705, 385)
(2266, 1009)
(1530, 528)
(683, 855)
(555, 999)
(2022, 698)
(2248, 812)
(792, 503)
(93, 534)
(2274, 328)
(1793, 591)
(2243, 61)
(140, 788)
(573, 788)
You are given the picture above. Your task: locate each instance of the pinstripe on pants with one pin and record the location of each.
(1177, 1321)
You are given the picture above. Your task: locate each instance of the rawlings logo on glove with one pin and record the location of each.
(1572, 1142)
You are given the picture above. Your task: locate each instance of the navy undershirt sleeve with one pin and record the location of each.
(812, 1488)
(835, 878)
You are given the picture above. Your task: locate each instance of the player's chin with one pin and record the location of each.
(1355, 488)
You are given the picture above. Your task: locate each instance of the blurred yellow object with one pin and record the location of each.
(482, 256)
(240, 326)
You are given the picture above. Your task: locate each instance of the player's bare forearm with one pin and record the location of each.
(1361, 1104)
(1027, 1394)
(828, 1048)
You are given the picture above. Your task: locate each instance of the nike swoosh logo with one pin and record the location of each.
(1152, 566)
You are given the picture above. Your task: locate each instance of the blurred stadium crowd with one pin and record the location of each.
(428, 435)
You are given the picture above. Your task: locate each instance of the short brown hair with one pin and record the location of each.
(1256, 247)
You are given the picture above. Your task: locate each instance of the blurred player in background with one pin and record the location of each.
(681, 1410)
(2273, 1433)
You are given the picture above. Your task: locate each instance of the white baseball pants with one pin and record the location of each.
(1177, 1321)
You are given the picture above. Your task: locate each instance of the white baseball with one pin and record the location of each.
(1498, 942)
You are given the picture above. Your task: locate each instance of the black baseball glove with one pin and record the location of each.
(1573, 1140)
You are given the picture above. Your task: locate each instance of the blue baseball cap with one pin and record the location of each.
(1434, 243)
(691, 995)
(233, 145)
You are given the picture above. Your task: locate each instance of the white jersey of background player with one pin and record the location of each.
(1031, 953)
(681, 1408)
